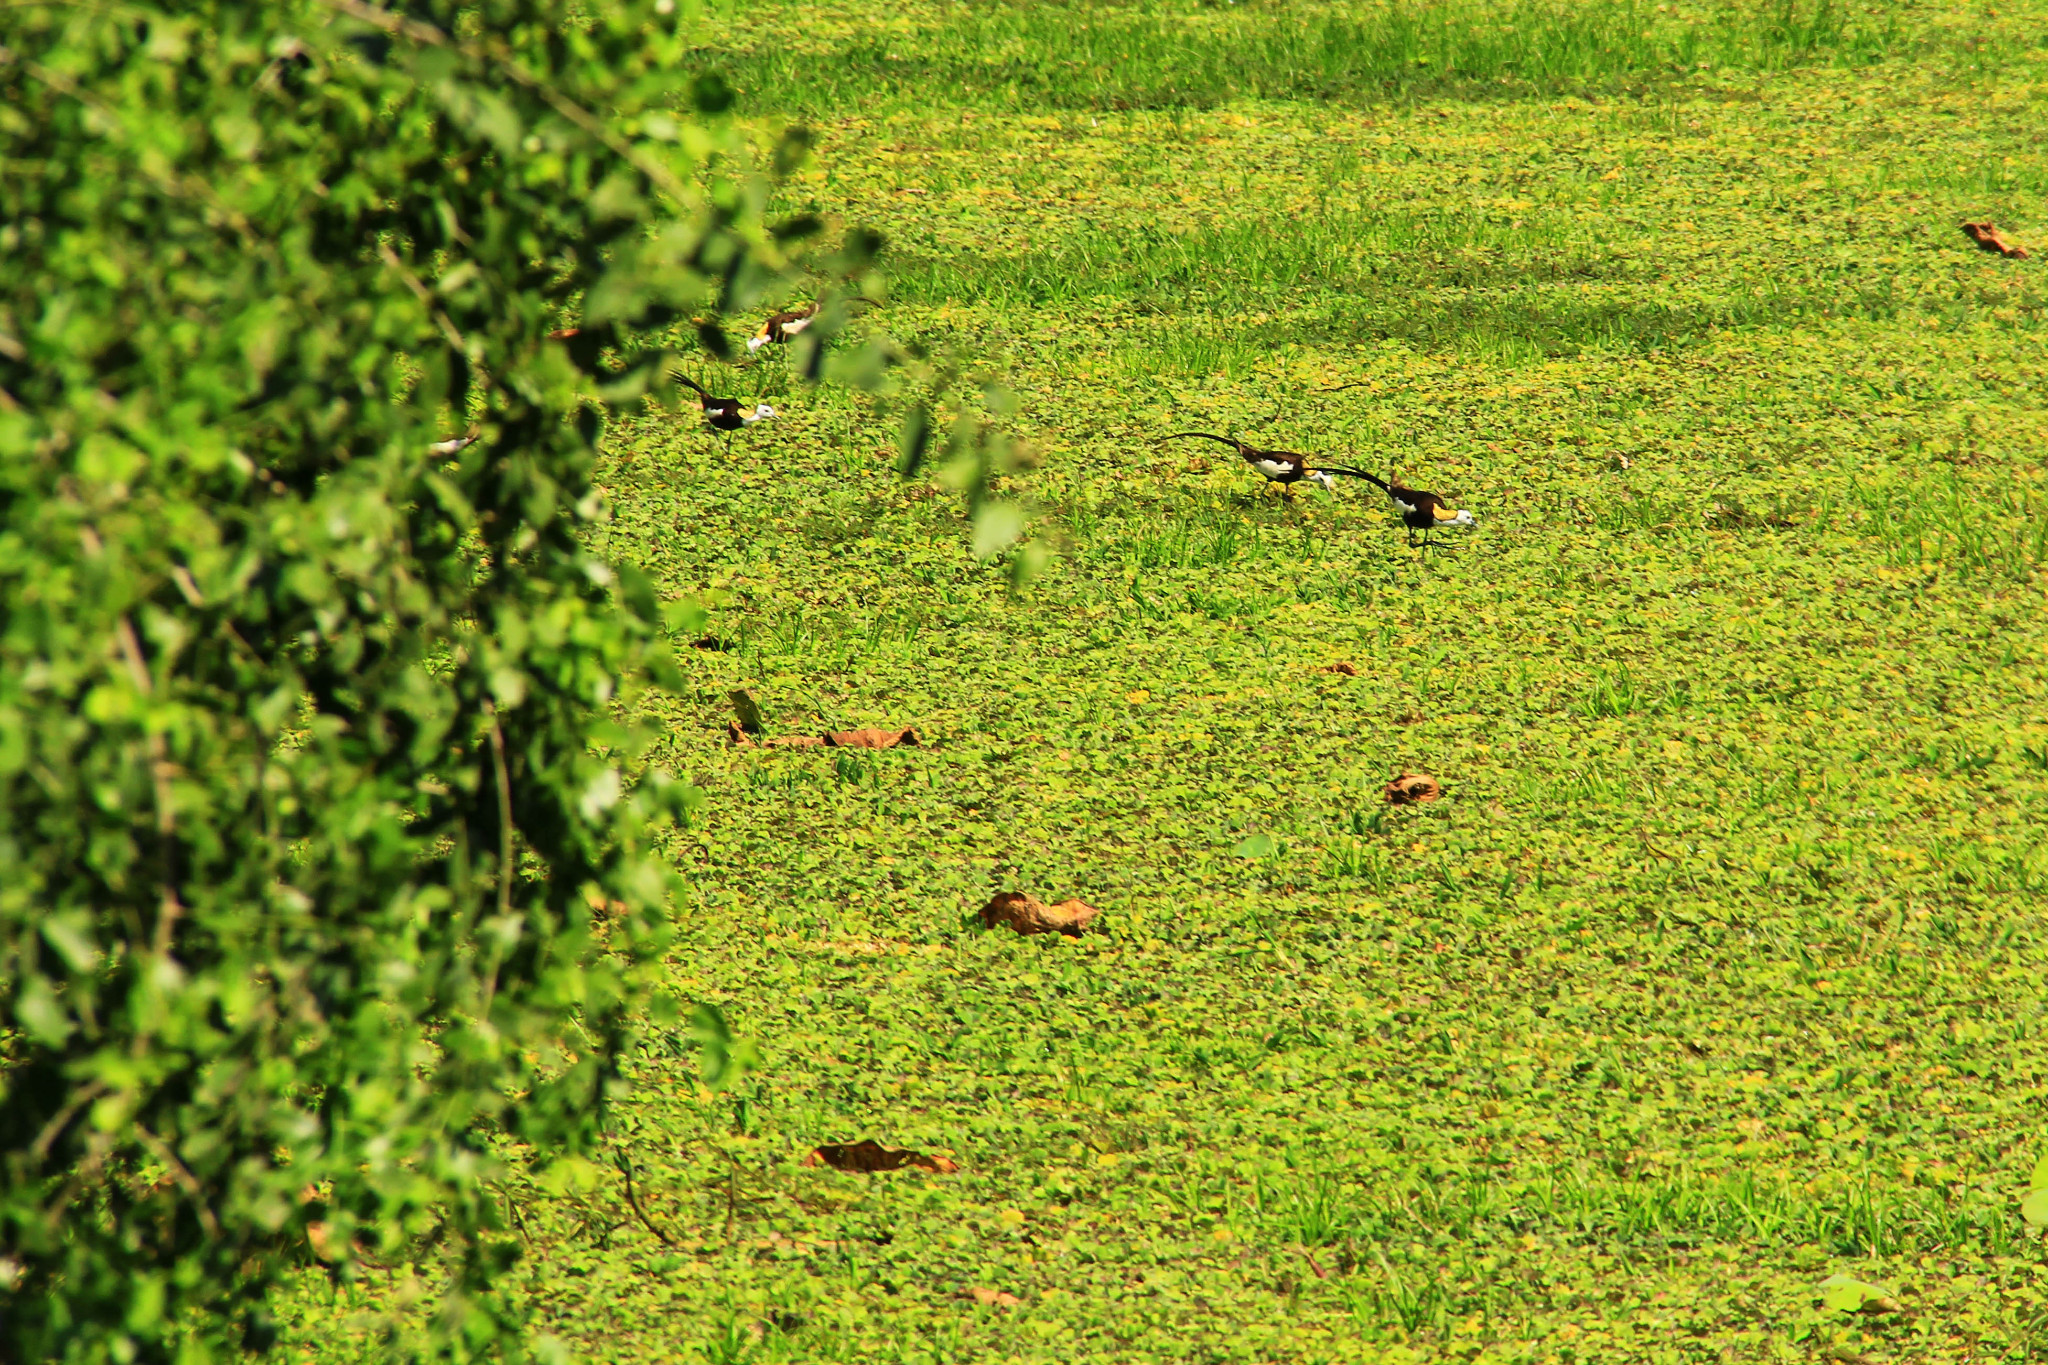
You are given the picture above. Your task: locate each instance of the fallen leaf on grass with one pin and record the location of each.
(1027, 914)
(992, 1298)
(747, 709)
(868, 1155)
(1349, 670)
(1410, 788)
(1988, 237)
(872, 739)
(837, 739)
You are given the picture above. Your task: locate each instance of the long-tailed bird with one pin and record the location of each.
(725, 414)
(780, 327)
(1284, 467)
(1419, 511)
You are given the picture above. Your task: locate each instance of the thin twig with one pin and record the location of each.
(1652, 849)
(168, 907)
(633, 1200)
(185, 1179)
(86, 1094)
(424, 295)
(504, 840)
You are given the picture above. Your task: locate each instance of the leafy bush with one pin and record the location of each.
(319, 863)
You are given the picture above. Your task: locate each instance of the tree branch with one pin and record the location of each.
(626, 1169)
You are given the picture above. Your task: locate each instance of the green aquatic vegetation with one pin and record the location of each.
(1715, 973)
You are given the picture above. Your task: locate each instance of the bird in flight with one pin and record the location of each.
(724, 414)
(1284, 467)
(780, 327)
(1419, 511)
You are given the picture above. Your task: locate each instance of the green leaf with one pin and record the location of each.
(914, 440)
(2034, 1208)
(69, 932)
(1845, 1294)
(996, 526)
(684, 615)
(747, 710)
(1256, 846)
(39, 1011)
(711, 93)
(725, 1058)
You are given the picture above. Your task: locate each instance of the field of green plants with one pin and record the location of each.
(1700, 1020)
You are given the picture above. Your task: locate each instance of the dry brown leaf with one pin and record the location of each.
(1349, 670)
(1988, 237)
(992, 1298)
(1027, 914)
(868, 1155)
(738, 732)
(1410, 788)
(320, 1241)
(317, 1238)
(872, 739)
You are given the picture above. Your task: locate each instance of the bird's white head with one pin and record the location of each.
(1322, 477)
(761, 413)
(757, 341)
(1464, 518)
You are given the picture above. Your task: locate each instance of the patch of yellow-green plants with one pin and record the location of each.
(1702, 1019)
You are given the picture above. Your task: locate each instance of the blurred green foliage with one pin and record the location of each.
(322, 856)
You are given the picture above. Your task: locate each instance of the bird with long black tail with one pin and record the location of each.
(1419, 511)
(782, 326)
(1283, 467)
(724, 414)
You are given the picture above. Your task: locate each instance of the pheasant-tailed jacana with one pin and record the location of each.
(725, 414)
(780, 327)
(1420, 511)
(1284, 467)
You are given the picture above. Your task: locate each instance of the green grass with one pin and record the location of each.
(789, 57)
(1717, 971)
